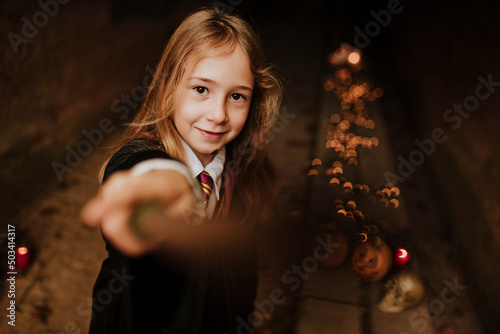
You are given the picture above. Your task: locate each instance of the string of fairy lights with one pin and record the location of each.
(348, 132)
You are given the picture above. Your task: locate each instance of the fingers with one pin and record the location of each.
(113, 208)
(117, 230)
(92, 212)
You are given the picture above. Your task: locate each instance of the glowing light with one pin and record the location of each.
(395, 202)
(343, 74)
(337, 170)
(358, 91)
(360, 121)
(353, 161)
(363, 236)
(401, 258)
(351, 153)
(344, 125)
(316, 162)
(386, 192)
(378, 92)
(328, 86)
(348, 190)
(312, 172)
(370, 124)
(395, 191)
(337, 163)
(22, 258)
(345, 47)
(335, 118)
(359, 214)
(339, 148)
(402, 253)
(367, 142)
(354, 58)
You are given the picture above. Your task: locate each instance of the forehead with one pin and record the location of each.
(226, 66)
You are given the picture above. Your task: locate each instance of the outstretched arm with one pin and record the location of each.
(158, 210)
(116, 205)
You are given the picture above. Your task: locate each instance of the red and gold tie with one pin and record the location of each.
(207, 184)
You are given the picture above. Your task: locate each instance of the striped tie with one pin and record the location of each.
(207, 184)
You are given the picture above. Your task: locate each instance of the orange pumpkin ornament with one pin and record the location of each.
(328, 245)
(371, 260)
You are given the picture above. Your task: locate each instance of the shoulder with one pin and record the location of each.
(131, 154)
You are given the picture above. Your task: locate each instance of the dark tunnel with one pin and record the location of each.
(388, 130)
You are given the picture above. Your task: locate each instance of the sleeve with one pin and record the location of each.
(140, 160)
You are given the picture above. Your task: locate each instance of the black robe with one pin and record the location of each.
(171, 293)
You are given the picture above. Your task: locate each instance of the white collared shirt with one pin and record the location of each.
(214, 168)
(194, 167)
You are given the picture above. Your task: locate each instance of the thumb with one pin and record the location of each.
(92, 212)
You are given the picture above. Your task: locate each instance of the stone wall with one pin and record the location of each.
(67, 68)
(442, 58)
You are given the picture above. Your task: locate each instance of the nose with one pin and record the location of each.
(218, 112)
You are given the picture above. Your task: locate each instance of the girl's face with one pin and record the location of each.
(213, 106)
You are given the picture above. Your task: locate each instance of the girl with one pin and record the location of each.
(206, 116)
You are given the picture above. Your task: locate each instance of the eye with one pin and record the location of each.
(201, 90)
(238, 97)
(373, 262)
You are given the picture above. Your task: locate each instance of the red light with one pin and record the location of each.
(22, 258)
(401, 258)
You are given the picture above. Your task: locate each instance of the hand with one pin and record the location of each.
(114, 206)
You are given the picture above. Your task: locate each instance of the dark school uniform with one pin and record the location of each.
(171, 293)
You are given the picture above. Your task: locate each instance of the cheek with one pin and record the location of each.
(183, 116)
(240, 120)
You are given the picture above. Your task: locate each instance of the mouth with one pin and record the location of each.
(212, 135)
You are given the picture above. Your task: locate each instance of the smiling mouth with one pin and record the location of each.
(212, 134)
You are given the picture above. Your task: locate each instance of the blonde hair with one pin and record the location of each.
(211, 32)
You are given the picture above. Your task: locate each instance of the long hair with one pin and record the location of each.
(211, 32)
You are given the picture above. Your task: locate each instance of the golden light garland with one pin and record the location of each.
(347, 134)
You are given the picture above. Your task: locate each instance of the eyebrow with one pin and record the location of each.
(243, 87)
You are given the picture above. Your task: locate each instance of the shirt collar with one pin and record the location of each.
(214, 168)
